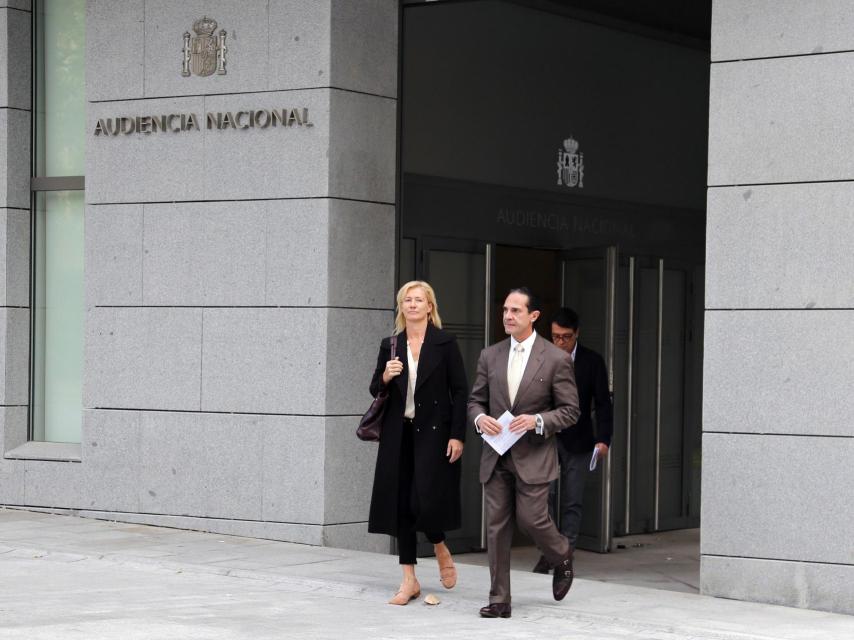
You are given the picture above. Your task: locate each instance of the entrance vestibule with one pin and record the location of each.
(642, 314)
(546, 148)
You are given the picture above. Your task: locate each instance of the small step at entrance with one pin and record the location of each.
(668, 560)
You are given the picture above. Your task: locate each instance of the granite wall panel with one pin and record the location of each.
(743, 29)
(761, 243)
(777, 497)
(143, 358)
(778, 372)
(781, 120)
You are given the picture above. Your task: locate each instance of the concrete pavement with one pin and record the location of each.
(67, 577)
(668, 560)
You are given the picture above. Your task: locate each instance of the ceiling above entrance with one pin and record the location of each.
(686, 21)
(691, 19)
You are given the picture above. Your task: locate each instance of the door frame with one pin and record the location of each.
(423, 244)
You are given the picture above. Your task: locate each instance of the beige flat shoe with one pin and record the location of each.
(447, 570)
(405, 595)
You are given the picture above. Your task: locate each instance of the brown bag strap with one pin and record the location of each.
(393, 344)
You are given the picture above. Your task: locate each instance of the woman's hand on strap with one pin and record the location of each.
(393, 368)
(455, 450)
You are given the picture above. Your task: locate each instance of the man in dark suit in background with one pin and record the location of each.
(575, 445)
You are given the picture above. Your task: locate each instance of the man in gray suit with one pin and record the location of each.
(533, 379)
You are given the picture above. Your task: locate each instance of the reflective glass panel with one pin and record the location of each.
(60, 87)
(58, 317)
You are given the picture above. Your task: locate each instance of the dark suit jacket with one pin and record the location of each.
(591, 377)
(440, 414)
(547, 388)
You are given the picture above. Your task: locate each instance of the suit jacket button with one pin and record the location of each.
(434, 427)
(435, 402)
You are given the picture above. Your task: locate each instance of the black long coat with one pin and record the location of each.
(441, 391)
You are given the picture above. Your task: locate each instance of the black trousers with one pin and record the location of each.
(407, 500)
(574, 471)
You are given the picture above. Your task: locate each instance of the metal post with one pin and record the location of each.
(487, 332)
(629, 393)
(658, 388)
(611, 269)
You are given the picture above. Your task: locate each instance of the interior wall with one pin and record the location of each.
(507, 84)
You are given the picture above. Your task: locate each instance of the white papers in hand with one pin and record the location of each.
(506, 439)
(594, 458)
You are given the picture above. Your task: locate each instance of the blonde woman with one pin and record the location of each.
(417, 477)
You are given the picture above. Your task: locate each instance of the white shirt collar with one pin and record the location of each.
(527, 343)
(574, 349)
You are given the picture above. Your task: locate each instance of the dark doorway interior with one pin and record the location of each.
(544, 146)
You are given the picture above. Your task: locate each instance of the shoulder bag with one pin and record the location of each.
(371, 424)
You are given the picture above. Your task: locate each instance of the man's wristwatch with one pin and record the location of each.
(540, 424)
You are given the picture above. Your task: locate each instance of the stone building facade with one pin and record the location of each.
(237, 279)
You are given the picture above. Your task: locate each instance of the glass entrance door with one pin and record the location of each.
(644, 316)
(656, 426)
(589, 286)
(638, 312)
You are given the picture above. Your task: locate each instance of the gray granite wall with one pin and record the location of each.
(778, 444)
(237, 281)
(15, 115)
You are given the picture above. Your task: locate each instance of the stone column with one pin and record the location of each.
(15, 114)
(778, 443)
(238, 280)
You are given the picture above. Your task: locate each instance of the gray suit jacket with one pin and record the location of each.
(547, 388)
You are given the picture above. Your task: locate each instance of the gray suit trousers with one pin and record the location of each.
(510, 500)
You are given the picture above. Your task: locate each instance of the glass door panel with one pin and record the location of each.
(589, 287)
(653, 493)
(644, 393)
(672, 414)
(621, 373)
(458, 275)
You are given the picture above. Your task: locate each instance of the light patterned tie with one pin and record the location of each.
(514, 375)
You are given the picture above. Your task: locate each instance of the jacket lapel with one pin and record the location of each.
(427, 358)
(535, 361)
(580, 359)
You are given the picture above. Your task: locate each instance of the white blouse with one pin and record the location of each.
(409, 409)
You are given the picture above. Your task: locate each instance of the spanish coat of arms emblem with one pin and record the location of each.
(204, 52)
(570, 164)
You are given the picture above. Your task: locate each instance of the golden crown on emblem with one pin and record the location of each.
(570, 144)
(204, 26)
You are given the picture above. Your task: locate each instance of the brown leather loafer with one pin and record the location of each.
(542, 566)
(495, 610)
(562, 580)
(447, 570)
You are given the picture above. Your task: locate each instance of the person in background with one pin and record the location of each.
(575, 445)
(417, 475)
